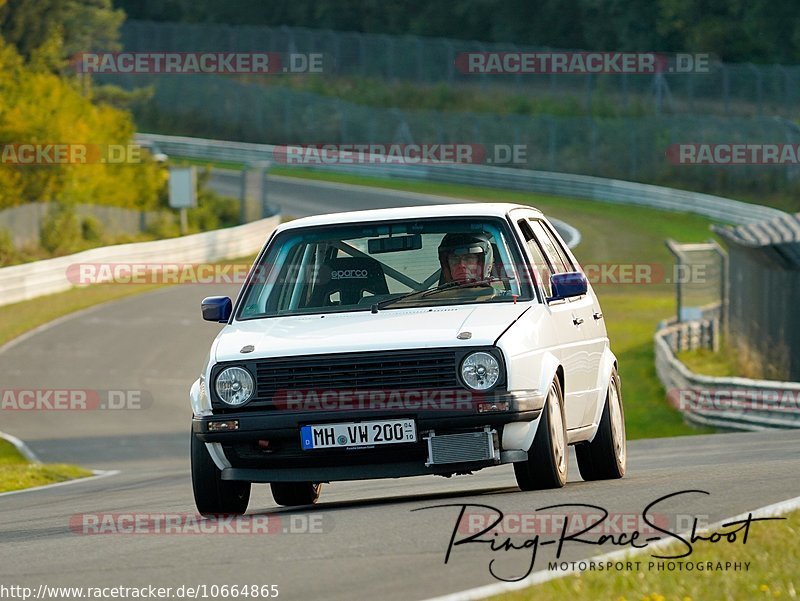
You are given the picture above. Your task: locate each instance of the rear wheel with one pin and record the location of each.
(546, 466)
(290, 494)
(605, 458)
(212, 494)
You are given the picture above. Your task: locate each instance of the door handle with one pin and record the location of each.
(597, 315)
(577, 321)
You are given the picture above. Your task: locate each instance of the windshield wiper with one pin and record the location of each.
(446, 286)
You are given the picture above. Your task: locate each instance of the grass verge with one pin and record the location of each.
(17, 473)
(772, 551)
(705, 361)
(21, 317)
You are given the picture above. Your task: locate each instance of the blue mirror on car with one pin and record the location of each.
(568, 285)
(217, 308)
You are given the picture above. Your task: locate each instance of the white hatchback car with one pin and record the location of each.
(402, 342)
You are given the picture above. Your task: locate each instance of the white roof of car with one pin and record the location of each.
(478, 209)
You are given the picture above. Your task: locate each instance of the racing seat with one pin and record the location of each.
(350, 277)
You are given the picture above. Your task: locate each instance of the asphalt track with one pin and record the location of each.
(367, 541)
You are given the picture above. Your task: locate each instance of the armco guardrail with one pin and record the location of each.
(731, 403)
(29, 280)
(561, 184)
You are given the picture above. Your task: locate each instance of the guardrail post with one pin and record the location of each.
(243, 197)
(266, 209)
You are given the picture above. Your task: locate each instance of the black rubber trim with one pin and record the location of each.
(347, 472)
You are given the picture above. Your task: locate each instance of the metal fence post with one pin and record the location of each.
(451, 61)
(552, 142)
(678, 298)
(726, 88)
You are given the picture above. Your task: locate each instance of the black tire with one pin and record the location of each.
(605, 458)
(212, 494)
(546, 466)
(291, 494)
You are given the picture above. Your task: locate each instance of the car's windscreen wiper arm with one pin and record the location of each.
(446, 286)
(386, 302)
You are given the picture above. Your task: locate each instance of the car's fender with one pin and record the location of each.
(595, 409)
(529, 347)
(520, 435)
(198, 397)
(201, 405)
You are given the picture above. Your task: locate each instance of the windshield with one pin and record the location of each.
(385, 265)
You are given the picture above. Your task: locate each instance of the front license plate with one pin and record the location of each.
(358, 434)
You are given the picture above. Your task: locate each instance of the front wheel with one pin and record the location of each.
(290, 494)
(212, 494)
(605, 458)
(546, 466)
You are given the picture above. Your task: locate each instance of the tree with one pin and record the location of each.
(48, 32)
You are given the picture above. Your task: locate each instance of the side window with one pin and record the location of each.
(541, 265)
(560, 260)
(560, 248)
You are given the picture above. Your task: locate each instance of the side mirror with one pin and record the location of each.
(217, 308)
(567, 285)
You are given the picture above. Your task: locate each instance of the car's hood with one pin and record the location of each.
(421, 327)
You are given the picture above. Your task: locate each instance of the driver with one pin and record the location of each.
(466, 257)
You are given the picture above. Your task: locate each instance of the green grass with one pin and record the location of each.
(772, 550)
(503, 100)
(704, 361)
(21, 317)
(207, 163)
(17, 473)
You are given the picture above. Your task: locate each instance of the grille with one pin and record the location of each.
(401, 370)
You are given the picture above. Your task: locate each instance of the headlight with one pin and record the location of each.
(234, 386)
(480, 371)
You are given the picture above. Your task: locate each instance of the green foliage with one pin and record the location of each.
(61, 230)
(8, 252)
(38, 107)
(164, 225)
(213, 212)
(48, 32)
(91, 229)
(733, 30)
(121, 98)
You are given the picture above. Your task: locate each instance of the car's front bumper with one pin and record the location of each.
(264, 446)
